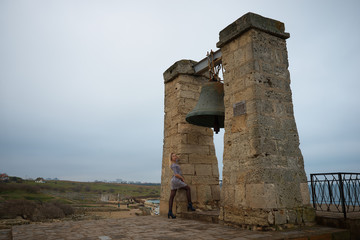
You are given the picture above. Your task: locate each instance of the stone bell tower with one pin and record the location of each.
(264, 181)
(193, 144)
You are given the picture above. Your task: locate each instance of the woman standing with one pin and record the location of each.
(178, 182)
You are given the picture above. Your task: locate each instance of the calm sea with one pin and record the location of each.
(155, 201)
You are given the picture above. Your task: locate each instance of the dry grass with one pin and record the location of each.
(34, 211)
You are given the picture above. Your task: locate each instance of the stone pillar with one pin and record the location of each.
(264, 181)
(193, 144)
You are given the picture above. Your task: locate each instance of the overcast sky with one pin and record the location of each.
(82, 91)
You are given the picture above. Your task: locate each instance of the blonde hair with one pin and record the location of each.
(170, 159)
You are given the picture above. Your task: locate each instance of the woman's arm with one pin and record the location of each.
(180, 177)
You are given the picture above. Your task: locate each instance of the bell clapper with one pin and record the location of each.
(216, 125)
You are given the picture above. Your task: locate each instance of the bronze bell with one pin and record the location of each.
(209, 110)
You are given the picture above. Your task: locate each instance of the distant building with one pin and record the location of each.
(4, 177)
(40, 180)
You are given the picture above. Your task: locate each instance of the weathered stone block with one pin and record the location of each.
(266, 67)
(186, 94)
(251, 21)
(230, 216)
(238, 124)
(242, 94)
(187, 169)
(256, 217)
(180, 67)
(189, 128)
(292, 217)
(261, 195)
(202, 158)
(205, 140)
(204, 193)
(271, 218)
(184, 158)
(194, 149)
(305, 194)
(212, 149)
(210, 180)
(247, 68)
(187, 84)
(164, 207)
(176, 139)
(170, 131)
(308, 214)
(180, 206)
(215, 170)
(192, 138)
(215, 192)
(280, 217)
(194, 197)
(268, 146)
(239, 56)
(203, 170)
(240, 195)
(299, 215)
(180, 196)
(188, 104)
(221, 214)
(281, 72)
(228, 194)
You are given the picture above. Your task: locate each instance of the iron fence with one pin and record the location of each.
(335, 192)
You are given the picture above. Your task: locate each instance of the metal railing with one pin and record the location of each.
(335, 192)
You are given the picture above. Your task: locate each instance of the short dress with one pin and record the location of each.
(176, 183)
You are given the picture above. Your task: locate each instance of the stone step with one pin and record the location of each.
(335, 221)
(205, 216)
(314, 232)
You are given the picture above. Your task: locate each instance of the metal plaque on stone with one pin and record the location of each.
(239, 108)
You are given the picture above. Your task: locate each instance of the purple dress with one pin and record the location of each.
(176, 183)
